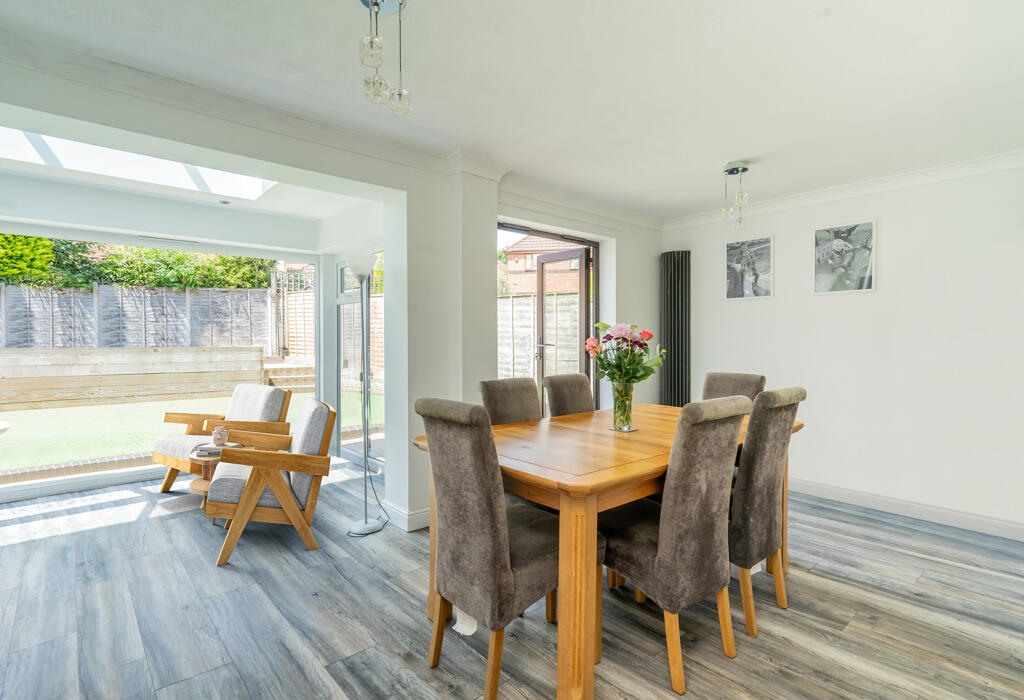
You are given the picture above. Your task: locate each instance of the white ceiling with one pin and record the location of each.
(637, 103)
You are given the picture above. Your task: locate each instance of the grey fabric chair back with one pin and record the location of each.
(255, 402)
(719, 384)
(568, 393)
(693, 532)
(755, 528)
(472, 568)
(510, 400)
(308, 439)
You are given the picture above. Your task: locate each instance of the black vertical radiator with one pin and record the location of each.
(674, 293)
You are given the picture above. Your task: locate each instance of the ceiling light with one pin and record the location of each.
(376, 88)
(733, 208)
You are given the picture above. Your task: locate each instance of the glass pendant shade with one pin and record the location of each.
(740, 223)
(400, 102)
(741, 199)
(371, 51)
(376, 89)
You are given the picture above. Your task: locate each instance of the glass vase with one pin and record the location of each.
(622, 406)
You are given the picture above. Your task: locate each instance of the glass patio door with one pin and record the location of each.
(564, 312)
(361, 367)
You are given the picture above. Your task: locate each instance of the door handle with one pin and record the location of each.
(545, 345)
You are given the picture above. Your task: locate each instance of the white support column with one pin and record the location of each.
(327, 388)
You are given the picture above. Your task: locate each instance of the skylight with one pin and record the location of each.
(84, 157)
(15, 145)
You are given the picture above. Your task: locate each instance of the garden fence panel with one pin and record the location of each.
(109, 316)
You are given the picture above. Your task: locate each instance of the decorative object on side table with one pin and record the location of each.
(220, 436)
(623, 355)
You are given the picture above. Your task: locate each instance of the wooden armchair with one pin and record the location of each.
(252, 407)
(268, 486)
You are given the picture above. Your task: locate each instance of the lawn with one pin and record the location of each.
(56, 435)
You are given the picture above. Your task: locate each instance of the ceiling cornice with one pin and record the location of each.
(466, 162)
(952, 171)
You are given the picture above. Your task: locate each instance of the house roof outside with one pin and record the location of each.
(535, 244)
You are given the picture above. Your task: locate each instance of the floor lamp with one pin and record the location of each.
(366, 526)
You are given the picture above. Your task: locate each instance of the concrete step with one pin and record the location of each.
(293, 381)
(287, 370)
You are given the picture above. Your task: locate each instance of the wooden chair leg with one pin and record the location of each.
(243, 511)
(441, 612)
(551, 601)
(597, 618)
(780, 578)
(611, 579)
(638, 595)
(286, 498)
(675, 652)
(169, 478)
(494, 664)
(747, 596)
(725, 622)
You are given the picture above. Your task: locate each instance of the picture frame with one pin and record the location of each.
(750, 268)
(845, 257)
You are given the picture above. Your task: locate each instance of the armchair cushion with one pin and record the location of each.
(179, 446)
(308, 439)
(256, 402)
(229, 482)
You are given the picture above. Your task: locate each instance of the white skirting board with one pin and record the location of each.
(38, 488)
(921, 511)
(408, 521)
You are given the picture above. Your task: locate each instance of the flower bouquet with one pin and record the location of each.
(623, 354)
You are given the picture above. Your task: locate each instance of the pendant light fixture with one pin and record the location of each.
(376, 88)
(733, 208)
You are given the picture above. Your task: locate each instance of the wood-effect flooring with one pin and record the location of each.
(114, 593)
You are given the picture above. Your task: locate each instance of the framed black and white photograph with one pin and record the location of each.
(748, 268)
(844, 258)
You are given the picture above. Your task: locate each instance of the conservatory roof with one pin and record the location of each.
(29, 147)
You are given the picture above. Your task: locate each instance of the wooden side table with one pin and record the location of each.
(207, 466)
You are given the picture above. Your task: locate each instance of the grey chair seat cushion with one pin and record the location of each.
(179, 446)
(631, 532)
(533, 554)
(229, 481)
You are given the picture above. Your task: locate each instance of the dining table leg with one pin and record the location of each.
(432, 538)
(577, 556)
(785, 518)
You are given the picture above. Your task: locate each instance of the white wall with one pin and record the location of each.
(915, 389)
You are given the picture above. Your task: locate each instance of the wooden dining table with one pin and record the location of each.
(577, 465)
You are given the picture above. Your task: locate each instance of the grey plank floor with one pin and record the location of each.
(113, 593)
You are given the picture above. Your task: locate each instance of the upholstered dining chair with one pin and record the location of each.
(678, 552)
(253, 407)
(492, 561)
(719, 384)
(568, 393)
(268, 486)
(510, 400)
(755, 525)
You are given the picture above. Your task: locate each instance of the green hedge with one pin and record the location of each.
(61, 263)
